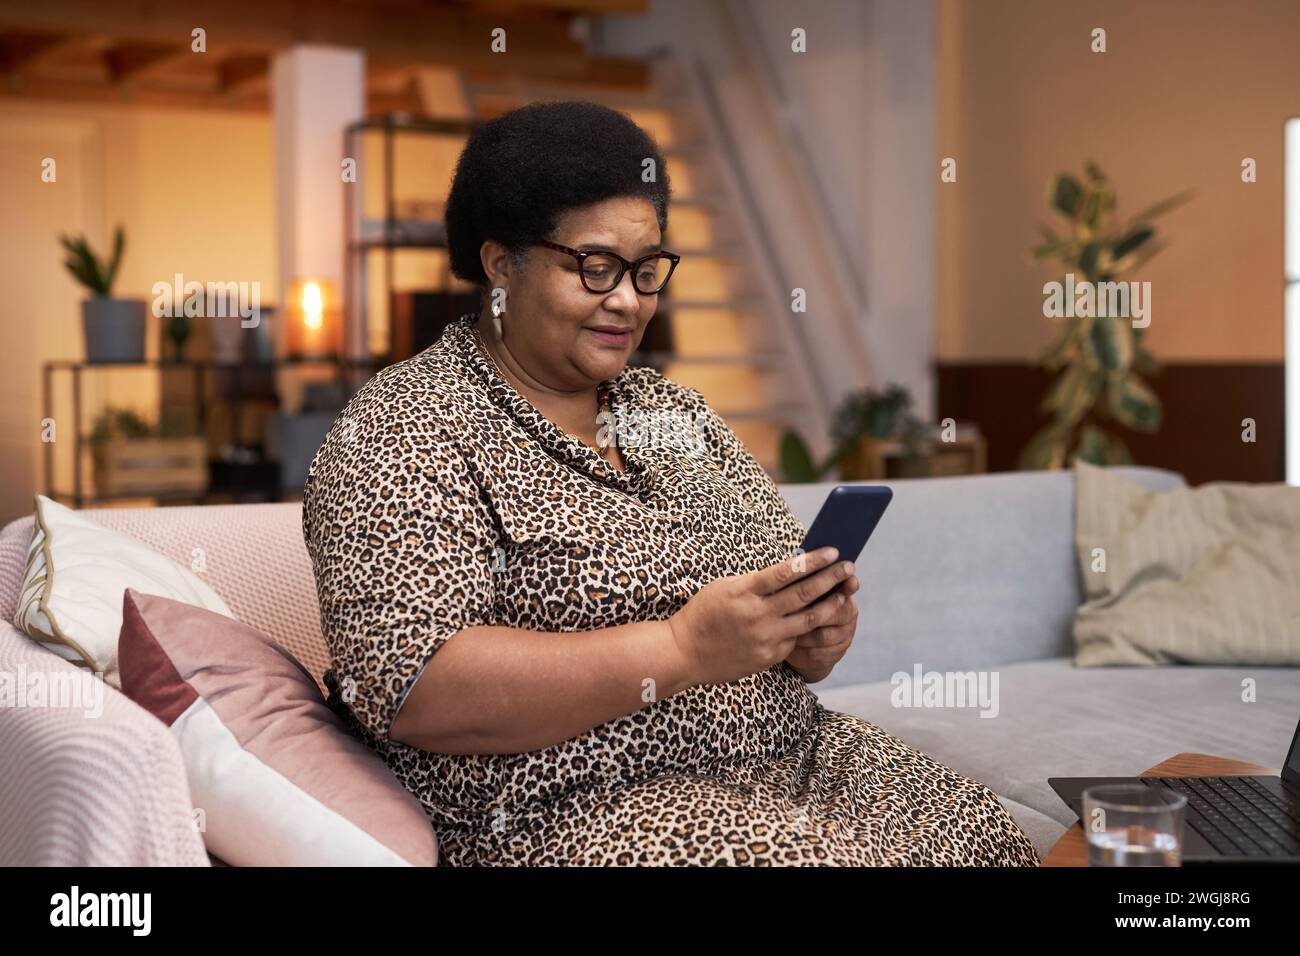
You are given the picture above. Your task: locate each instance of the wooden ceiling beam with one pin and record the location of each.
(40, 88)
(237, 75)
(23, 52)
(539, 43)
(132, 60)
(572, 7)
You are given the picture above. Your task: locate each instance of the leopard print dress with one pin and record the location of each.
(440, 500)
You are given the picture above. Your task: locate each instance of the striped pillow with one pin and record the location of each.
(278, 779)
(1205, 575)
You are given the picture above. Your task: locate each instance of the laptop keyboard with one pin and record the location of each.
(1238, 816)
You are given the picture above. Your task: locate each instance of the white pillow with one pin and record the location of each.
(77, 571)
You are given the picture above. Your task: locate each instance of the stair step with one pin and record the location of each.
(744, 303)
(767, 413)
(732, 252)
(756, 359)
(690, 151)
(711, 201)
(619, 99)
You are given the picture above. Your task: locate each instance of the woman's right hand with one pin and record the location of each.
(740, 625)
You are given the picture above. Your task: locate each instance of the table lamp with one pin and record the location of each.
(313, 320)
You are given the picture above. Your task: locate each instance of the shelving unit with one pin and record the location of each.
(390, 233)
(228, 480)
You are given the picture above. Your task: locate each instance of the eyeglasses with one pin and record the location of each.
(601, 272)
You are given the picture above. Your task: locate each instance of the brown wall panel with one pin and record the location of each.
(1200, 437)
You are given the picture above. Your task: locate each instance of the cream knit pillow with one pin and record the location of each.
(77, 571)
(1205, 575)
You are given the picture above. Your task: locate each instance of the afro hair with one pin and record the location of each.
(520, 171)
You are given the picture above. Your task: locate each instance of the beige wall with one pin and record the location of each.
(1186, 90)
(194, 193)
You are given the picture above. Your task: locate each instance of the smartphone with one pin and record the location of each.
(847, 518)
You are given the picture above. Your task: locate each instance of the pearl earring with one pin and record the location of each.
(497, 310)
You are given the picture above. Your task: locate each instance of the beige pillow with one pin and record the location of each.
(71, 597)
(1205, 575)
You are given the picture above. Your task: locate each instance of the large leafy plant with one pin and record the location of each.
(1102, 357)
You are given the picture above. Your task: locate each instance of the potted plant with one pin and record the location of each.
(178, 331)
(865, 422)
(114, 329)
(1102, 354)
(133, 457)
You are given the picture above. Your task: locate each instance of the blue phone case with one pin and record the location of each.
(847, 519)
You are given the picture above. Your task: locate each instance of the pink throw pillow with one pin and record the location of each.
(279, 779)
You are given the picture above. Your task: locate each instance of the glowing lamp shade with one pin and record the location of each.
(314, 320)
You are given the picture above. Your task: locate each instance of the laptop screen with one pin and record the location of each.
(1291, 769)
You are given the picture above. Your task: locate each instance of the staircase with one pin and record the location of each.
(721, 322)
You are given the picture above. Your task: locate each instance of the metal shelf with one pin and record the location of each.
(230, 375)
(391, 238)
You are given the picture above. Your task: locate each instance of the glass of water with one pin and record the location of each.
(1133, 825)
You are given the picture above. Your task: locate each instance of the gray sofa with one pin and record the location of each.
(979, 574)
(962, 574)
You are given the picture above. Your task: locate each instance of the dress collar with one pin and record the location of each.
(560, 444)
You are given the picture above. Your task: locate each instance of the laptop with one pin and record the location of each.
(1227, 819)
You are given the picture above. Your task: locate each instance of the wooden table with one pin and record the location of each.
(1072, 848)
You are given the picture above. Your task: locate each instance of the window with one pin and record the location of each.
(1291, 307)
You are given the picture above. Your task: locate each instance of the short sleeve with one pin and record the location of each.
(747, 476)
(401, 540)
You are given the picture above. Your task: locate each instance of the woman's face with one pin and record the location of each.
(566, 338)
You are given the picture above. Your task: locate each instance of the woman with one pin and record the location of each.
(561, 598)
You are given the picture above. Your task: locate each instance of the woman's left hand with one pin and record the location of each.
(817, 652)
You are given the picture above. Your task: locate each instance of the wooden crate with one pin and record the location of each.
(875, 459)
(152, 466)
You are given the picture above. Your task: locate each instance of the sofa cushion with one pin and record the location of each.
(279, 780)
(76, 571)
(253, 556)
(1207, 575)
(966, 572)
(1057, 720)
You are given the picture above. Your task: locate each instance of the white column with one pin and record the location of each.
(316, 91)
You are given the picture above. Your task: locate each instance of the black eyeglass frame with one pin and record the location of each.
(623, 265)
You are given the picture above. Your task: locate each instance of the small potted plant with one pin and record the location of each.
(179, 328)
(114, 329)
(866, 422)
(133, 457)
